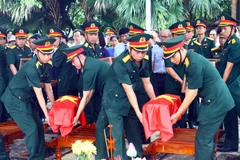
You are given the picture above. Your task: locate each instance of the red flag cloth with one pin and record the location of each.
(157, 113)
(62, 114)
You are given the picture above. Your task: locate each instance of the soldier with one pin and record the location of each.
(216, 52)
(119, 95)
(202, 44)
(93, 78)
(109, 32)
(175, 72)
(3, 37)
(204, 81)
(28, 81)
(18, 51)
(91, 30)
(64, 75)
(228, 67)
(189, 32)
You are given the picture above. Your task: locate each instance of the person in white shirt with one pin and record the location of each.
(121, 47)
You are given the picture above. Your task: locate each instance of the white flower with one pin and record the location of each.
(131, 152)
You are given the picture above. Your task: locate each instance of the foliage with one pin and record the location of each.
(84, 150)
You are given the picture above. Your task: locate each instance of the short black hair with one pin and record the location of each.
(123, 30)
(113, 36)
(102, 42)
(77, 30)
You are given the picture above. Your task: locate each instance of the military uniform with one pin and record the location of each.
(204, 47)
(230, 54)
(109, 32)
(216, 98)
(116, 106)
(93, 78)
(15, 53)
(66, 72)
(17, 100)
(216, 52)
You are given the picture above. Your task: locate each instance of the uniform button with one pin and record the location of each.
(116, 95)
(59, 80)
(19, 97)
(209, 101)
(131, 76)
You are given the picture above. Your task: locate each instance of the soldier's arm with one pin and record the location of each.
(13, 69)
(87, 95)
(148, 87)
(49, 92)
(227, 71)
(132, 99)
(41, 101)
(173, 74)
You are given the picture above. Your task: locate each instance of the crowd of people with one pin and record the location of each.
(35, 70)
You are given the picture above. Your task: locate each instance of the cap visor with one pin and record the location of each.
(168, 56)
(141, 49)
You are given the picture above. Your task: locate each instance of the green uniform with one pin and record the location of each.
(14, 54)
(95, 53)
(17, 100)
(231, 54)
(66, 72)
(216, 102)
(94, 79)
(116, 106)
(3, 74)
(216, 52)
(203, 48)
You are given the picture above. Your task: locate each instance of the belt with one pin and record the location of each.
(159, 73)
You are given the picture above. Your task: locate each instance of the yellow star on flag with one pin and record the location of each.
(69, 98)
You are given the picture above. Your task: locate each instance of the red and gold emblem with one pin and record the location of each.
(142, 39)
(51, 30)
(21, 31)
(92, 25)
(47, 43)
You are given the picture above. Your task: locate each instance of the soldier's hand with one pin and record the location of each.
(54, 82)
(75, 120)
(139, 115)
(174, 118)
(47, 119)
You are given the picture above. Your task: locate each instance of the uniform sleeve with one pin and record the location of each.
(122, 73)
(32, 78)
(233, 55)
(168, 63)
(144, 73)
(194, 76)
(89, 79)
(59, 58)
(11, 59)
(48, 78)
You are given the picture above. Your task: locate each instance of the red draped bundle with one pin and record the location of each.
(157, 113)
(62, 114)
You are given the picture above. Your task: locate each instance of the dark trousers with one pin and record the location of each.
(3, 153)
(32, 126)
(231, 128)
(159, 83)
(205, 138)
(73, 92)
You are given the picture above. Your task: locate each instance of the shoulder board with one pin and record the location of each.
(50, 62)
(146, 57)
(38, 64)
(27, 45)
(186, 62)
(126, 58)
(233, 40)
(12, 47)
(86, 44)
(210, 38)
(194, 39)
(197, 43)
(215, 48)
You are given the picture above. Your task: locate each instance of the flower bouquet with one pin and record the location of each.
(84, 150)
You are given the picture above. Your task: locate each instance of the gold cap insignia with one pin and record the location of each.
(131, 27)
(92, 25)
(180, 26)
(51, 30)
(142, 39)
(198, 21)
(188, 23)
(21, 31)
(108, 30)
(222, 18)
(47, 43)
(163, 47)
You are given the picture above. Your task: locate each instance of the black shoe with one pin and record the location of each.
(220, 145)
(223, 149)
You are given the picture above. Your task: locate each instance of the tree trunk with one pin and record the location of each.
(234, 9)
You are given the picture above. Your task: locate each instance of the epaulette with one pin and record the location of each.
(126, 58)
(233, 40)
(194, 39)
(214, 49)
(186, 62)
(27, 45)
(146, 57)
(12, 47)
(38, 64)
(50, 62)
(197, 43)
(210, 38)
(86, 44)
